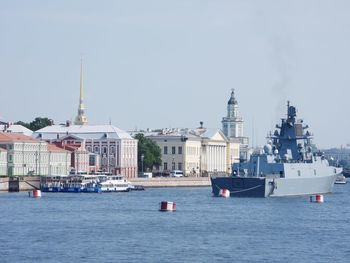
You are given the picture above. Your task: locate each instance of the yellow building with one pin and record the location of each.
(196, 152)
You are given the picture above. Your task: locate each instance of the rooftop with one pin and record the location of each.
(54, 148)
(15, 137)
(16, 128)
(82, 131)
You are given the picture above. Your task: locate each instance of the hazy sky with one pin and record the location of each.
(153, 64)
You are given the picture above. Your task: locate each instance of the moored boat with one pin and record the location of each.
(114, 183)
(287, 166)
(52, 183)
(73, 183)
(341, 179)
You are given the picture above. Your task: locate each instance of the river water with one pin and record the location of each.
(127, 227)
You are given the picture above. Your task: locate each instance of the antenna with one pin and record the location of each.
(253, 133)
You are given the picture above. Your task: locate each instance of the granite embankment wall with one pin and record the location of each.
(15, 184)
(28, 183)
(4, 183)
(171, 181)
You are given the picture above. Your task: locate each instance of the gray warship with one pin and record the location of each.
(288, 165)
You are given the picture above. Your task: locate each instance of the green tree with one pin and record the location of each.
(37, 124)
(40, 123)
(150, 150)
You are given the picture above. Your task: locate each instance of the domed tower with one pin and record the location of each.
(232, 127)
(232, 124)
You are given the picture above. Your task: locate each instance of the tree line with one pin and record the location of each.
(37, 124)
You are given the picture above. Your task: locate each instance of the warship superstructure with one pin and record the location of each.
(288, 165)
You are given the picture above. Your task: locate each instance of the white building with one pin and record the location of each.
(196, 152)
(116, 149)
(218, 152)
(27, 156)
(8, 127)
(59, 160)
(3, 162)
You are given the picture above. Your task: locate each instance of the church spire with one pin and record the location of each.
(81, 119)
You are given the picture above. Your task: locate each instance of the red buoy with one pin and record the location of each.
(224, 193)
(317, 198)
(36, 193)
(167, 206)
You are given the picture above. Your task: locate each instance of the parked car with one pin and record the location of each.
(166, 173)
(147, 175)
(176, 173)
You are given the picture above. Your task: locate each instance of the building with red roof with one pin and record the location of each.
(28, 156)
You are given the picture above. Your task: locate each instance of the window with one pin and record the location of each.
(173, 150)
(96, 149)
(104, 149)
(179, 151)
(92, 160)
(165, 166)
(179, 166)
(173, 166)
(165, 149)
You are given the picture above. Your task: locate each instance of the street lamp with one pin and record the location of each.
(142, 157)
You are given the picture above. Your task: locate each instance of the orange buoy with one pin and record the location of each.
(36, 193)
(224, 193)
(167, 206)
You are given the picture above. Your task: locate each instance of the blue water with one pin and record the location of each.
(127, 227)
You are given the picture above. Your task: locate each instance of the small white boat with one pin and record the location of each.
(114, 183)
(341, 179)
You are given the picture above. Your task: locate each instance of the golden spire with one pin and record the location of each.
(81, 119)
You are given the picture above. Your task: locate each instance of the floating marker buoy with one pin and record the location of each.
(167, 206)
(36, 193)
(224, 193)
(317, 198)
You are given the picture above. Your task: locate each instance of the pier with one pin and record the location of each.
(29, 183)
(171, 182)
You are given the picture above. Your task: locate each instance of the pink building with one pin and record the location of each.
(109, 149)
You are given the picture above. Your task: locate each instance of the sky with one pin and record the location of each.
(157, 64)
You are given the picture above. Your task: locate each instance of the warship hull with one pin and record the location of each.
(272, 186)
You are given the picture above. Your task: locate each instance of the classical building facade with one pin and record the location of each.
(27, 156)
(3, 162)
(110, 149)
(196, 152)
(232, 126)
